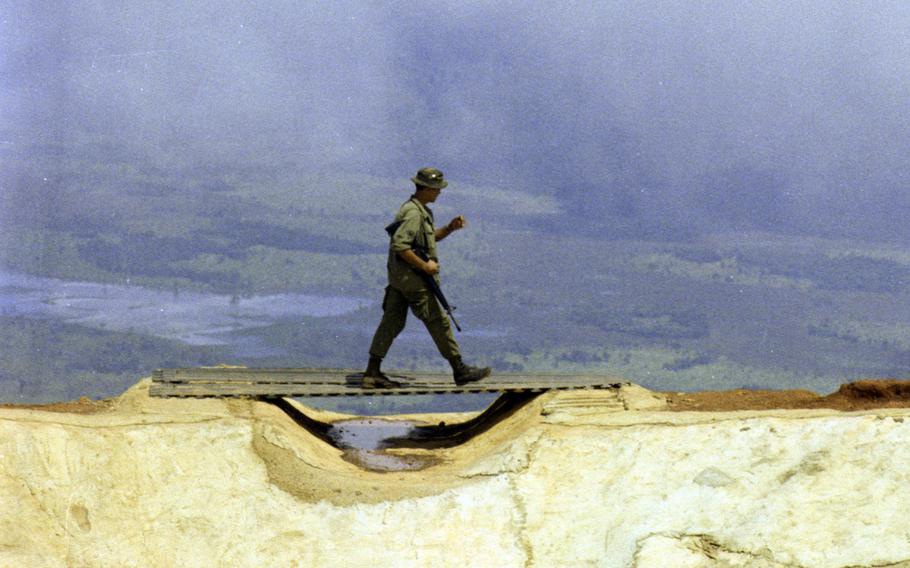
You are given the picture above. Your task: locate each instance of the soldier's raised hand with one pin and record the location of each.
(458, 223)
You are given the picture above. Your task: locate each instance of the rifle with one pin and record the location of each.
(428, 279)
(433, 285)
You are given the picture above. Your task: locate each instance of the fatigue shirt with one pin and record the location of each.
(416, 229)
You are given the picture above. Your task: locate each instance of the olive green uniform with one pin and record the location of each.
(406, 289)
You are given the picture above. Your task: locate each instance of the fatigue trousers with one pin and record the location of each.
(424, 305)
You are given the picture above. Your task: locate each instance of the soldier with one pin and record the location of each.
(406, 289)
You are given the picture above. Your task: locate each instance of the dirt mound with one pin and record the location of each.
(885, 393)
(876, 390)
(858, 395)
(724, 401)
(83, 405)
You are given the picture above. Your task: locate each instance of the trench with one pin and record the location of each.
(370, 442)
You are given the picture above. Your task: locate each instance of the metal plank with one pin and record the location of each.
(355, 381)
(264, 382)
(260, 375)
(411, 386)
(220, 390)
(321, 389)
(344, 376)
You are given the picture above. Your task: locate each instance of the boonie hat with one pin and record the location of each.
(429, 177)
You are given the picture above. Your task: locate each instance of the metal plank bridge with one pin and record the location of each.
(305, 382)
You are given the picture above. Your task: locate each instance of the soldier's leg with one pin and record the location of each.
(427, 309)
(394, 316)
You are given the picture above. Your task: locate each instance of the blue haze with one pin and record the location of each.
(784, 116)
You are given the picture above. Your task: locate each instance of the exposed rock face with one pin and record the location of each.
(574, 479)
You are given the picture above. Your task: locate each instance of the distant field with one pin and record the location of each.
(720, 311)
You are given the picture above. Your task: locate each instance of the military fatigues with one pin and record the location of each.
(406, 289)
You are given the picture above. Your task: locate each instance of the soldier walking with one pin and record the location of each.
(414, 230)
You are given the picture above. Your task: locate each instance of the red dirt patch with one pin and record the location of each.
(83, 405)
(859, 395)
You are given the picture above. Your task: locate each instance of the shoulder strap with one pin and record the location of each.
(393, 226)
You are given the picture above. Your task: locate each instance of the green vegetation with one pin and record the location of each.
(894, 336)
(722, 269)
(45, 360)
(755, 310)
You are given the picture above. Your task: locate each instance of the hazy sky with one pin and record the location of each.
(776, 115)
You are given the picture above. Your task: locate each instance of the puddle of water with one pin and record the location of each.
(363, 443)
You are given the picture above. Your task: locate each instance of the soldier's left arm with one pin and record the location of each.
(454, 225)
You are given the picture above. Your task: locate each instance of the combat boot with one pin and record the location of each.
(465, 374)
(373, 377)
